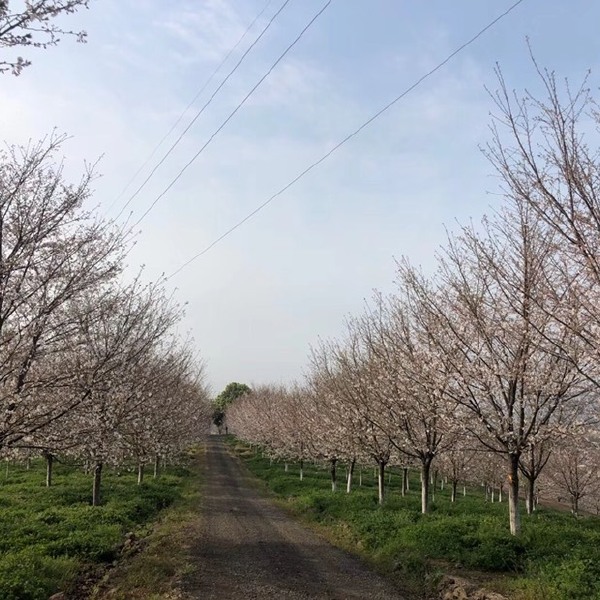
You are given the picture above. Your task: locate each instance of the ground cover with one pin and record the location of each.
(556, 558)
(48, 536)
(155, 571)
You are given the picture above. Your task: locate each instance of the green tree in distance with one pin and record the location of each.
(231, 393)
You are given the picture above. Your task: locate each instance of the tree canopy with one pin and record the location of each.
(230, 394)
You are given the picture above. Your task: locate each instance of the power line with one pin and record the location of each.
(235, 110)
(192, 102)
(346, 139)
(201, 111)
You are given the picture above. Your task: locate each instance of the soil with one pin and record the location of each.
(250, 549)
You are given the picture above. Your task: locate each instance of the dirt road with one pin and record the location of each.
(250, 549)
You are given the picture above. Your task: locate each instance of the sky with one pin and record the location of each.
(289, 276)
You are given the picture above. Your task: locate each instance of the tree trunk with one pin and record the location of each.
(96, 484)
(425, 472)
(285, 468)
(333, 475)
(49, 463)
(381, 480)
(513, 494)
(575, 504)
(500, 491)
(140, 478)
(28, 464)
(453, 494)
(464, 490)
(301, 470)
(156, 465)
(404, 480)
(360, 477)
(350, 474)
(530, 498)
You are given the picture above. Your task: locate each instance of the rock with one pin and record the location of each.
(452, 588)
(485, 595)
(457, 588)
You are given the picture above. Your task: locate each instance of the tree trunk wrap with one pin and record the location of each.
(425, 472)
(97, 484)
(350, 476)
(513, 494)
(381, 480)
(333, 474)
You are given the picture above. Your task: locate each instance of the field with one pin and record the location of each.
(556, 558)
(49, 537)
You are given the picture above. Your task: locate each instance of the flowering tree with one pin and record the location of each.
(540, 150)
(519, 367)
(347, 378)
(34, 25)
(457, 465)
(573, 469)
(169, 409)
(117, 341)
(414, 407)
(53, 255)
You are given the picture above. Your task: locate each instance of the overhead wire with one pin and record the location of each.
(191, 103)
(347, 138)
(233, 112)
(203, 108)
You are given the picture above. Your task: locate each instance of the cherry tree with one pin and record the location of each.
(115, 342)
(335, 425)
(34, 24)
(52, 255)
(415, 410)
(457, 465)
(170, 408)
(347, 378)
(541, 148)
(573, 469)
(517, 368)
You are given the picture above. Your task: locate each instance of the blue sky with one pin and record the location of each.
(289, 276)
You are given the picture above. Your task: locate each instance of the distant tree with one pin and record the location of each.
(573, 468)
(231, 393)
(32, 25)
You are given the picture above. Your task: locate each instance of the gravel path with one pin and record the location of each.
(250, 549)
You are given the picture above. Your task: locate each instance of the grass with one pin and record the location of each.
(48, 536)
(155, 571)
(557, 557)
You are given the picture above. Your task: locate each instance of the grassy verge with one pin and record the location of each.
(556, 558)
(155, 571)
(49, 536)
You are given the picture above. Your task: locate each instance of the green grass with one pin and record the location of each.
(155, 571)
(48, 535)
(557, 557)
